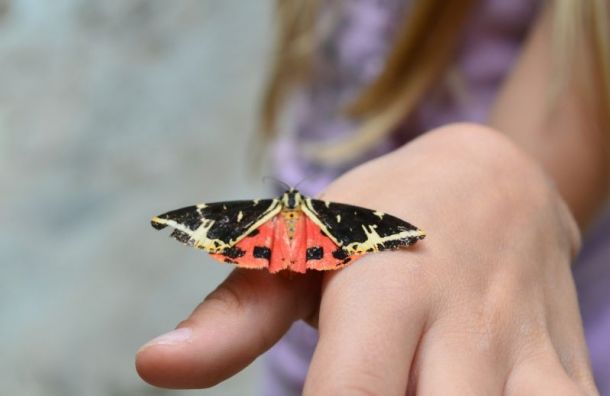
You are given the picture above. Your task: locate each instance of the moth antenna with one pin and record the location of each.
(277, 181)
(303, 180)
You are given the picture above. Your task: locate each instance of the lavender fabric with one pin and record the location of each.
(351, 55)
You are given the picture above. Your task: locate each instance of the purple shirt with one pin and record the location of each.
(350, 56)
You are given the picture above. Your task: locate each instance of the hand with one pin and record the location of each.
(484, 305)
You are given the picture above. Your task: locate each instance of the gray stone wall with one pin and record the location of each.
(110, 112)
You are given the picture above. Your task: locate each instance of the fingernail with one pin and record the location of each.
(174, 337)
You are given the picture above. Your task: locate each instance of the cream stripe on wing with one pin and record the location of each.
(373, 239)
(308, 209)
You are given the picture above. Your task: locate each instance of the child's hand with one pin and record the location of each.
(484, 305)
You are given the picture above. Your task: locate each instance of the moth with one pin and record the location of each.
(293, 232)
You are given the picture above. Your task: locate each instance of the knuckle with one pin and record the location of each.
(573, 238)
(360, 390)
(538, 365)
(515, 315)
(493, 320)
(362, 381)
(491, 167)
(546, 387)
(486, 153)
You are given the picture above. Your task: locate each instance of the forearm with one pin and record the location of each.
(562, 132)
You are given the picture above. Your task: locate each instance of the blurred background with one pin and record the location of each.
(111, 112)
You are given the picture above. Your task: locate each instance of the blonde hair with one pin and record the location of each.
(421, 53)
(581, 32)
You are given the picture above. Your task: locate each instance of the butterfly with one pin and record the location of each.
(293, 232)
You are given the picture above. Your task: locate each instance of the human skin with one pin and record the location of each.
(561, 128)
(484, 305)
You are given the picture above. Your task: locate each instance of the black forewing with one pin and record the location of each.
(224, 221)
(347, 224)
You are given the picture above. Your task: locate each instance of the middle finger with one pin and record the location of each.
(371, 317)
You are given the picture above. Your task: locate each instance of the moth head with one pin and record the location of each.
(292, 199)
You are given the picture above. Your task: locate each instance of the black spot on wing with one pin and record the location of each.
(181, 236)
(225, 216)
(340, 254)
(412, 240)
(314, 253)
(233, 252)
(353, 218)
(261, 252)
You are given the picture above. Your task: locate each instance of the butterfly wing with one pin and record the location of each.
(359, 230)
(217, 227)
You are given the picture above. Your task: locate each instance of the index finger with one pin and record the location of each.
(236, 323)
